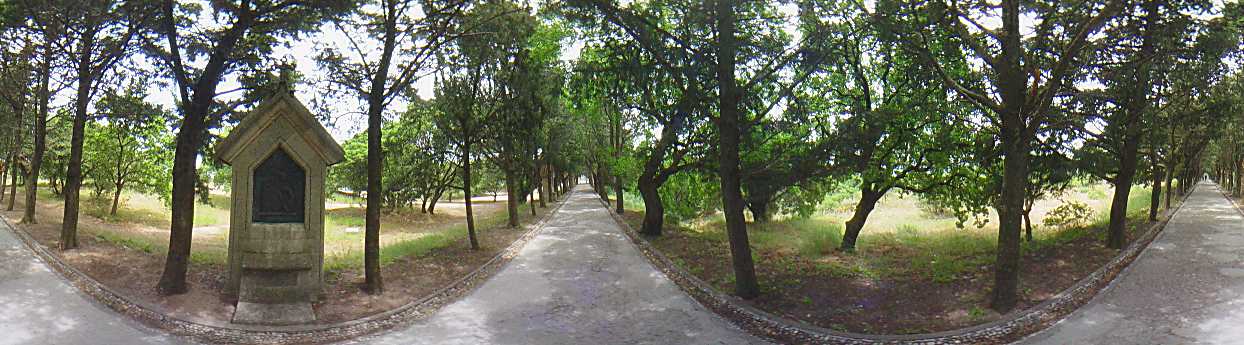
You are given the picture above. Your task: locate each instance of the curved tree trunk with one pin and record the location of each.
(868, 202)
(1028, 220)
(654, 209)
(116, 200)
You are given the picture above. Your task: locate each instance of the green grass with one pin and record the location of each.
(343, 250)
(419, 246)
(901, 241)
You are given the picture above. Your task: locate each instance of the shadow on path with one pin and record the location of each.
(37, 306)
(1186, 287)
(579, 281)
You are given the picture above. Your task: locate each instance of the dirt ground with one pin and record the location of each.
(133, 269)
(807, 289)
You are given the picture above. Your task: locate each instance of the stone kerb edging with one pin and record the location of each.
(307, 334)
(1013, 326)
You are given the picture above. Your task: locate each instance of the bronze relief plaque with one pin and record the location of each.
(279, 190)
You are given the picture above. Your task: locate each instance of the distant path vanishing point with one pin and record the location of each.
(579, 281)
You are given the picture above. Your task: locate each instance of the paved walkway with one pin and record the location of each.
(37, 306)
(579, 281)
(1186, 288)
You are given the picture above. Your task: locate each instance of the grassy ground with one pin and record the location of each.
(912, 272)
(142, 222)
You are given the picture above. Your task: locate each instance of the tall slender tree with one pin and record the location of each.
(406, 35)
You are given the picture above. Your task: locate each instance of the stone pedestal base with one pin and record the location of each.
(273, 314)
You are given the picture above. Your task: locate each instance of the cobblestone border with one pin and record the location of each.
(311, 334)
(1012, 327)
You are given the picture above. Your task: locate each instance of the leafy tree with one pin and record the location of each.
(247, 32)
(406, 35)
(101, 34)
(127, 149)
(16, 76)
(1014, 86)
(665, 93)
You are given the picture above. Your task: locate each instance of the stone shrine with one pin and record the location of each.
(279, 155)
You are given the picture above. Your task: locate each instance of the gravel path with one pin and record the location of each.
(1186, 288)
(579, 281)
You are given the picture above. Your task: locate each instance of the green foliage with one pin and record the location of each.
(688, 195)
(131, 148)
(419, 165)
(802, 200)
(1070, 214)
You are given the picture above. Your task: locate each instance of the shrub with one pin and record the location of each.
(689, 195)
(1070, 213)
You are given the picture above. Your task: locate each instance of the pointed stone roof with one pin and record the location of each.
(282, 104)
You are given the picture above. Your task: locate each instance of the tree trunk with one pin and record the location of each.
(1170, 176)
(73, 173)
(13, 186)
(4, 172)
(758, 204)
(511, 198)
(602, 183)
(1155, 195)
(617, 191)
(374, 283)
(190, 139)
(1136, 107)
(116, 200)
(729, 130)
(1028, 220)
(531, 203)
(540, 188)
(466, 191)
(17, 150)
(549, 179)
(436, 198)
(1010, 210)
(654, 209)
(868, 201)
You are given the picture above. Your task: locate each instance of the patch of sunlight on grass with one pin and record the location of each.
(345, 250)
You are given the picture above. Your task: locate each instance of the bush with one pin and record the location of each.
(688, 195)
(1070, 213)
